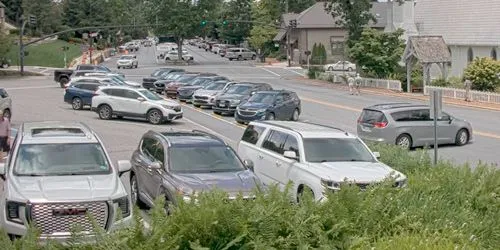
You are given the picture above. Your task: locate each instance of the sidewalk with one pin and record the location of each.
(415, 96)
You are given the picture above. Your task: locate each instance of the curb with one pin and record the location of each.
(422, 98)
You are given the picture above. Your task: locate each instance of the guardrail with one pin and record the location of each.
(479, 96)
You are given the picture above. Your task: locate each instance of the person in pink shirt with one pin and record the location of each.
(4, 133)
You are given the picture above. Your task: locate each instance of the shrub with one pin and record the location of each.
(75, 40)
(483, 74)
(318, 54)
(444, 207)
(313, 71)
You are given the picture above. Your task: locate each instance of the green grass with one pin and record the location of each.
(444, 207)
(47, 54)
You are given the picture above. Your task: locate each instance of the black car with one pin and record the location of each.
(181, 164)
(269, 105)
(227, 102)
(148, 82)
(185, 93)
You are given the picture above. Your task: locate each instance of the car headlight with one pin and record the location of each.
(124, 205)
(13, 212)
(261, 110)
(168, 106)
(329, 184)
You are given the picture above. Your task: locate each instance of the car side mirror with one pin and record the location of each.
(248, 164)
(2, 169)
(155, 165)
(141, 99)
(450, 119)
(377, 155)
(290, 155)
(124, 166)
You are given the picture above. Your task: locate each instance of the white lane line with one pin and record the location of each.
(293, 71)
(33, 87)
(208, 129)
(270, 72)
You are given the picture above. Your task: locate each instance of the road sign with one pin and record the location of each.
(436, 103)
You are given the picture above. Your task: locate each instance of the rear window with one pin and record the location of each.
(252, 134)
(372, 116)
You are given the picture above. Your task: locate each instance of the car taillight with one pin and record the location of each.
(380, 124)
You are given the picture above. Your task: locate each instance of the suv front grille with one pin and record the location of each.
(247, 112)
(65, 217)
(201, 97)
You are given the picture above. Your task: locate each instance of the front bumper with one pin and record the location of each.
(203, 100)
(124, 64)
(186, 98)
(173, 116)
(171, 93)
(248, 118)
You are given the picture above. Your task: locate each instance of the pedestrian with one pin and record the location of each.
(358, 81)
(467, 85)
(4, 135)
(350, 82)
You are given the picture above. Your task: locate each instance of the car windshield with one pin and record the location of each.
(216, 86)
(185, 79)
(203, 159)
(240, 90)
(336, 150)
(61, 159)
(118, 79)
(126, 57)
(173, 76)
(158, 72)
(150, 95)
(267, 98)
(104, 68)
(198, 81)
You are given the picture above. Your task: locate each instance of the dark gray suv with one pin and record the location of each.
(238, 93)
(184, 163)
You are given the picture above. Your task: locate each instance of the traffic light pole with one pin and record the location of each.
(21, 47)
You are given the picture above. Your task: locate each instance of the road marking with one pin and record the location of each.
(293, 71)
(270, 72)
(485, 134)
(32, 87)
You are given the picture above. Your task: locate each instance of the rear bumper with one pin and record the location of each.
(173, 116)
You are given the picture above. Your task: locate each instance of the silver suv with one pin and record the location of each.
(60, 178)
(5, 103)
(409, 125)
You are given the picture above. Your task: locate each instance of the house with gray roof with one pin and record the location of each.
(470, 28)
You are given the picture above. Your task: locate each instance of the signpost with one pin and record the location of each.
(308, 54)
(436, 105)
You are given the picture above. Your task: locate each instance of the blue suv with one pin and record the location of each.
(80, 94)
(269, 105)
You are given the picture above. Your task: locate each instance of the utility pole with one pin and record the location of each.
(21, 45)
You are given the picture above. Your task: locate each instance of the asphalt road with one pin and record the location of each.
(40, 98)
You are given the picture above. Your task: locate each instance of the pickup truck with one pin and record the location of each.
(63, 76)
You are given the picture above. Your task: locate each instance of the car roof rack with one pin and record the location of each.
(208, 134)
(327, 126)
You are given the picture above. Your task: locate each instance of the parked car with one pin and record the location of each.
(4, 62)
(340, 66)
(223, 49)
(160, 84)
(269, 105)
(115, 77)
(315, 158)
(185, 93)
(96, 80)
(127, 61)
(186, 79)
(409, 125)
(227, 102)
(174, 56)
(133, 102)
(206, 97)
(59, 174)
(159, 74)
(186, 163)
(80, 95)
(240, 54)
(5, 103)
(64, 75)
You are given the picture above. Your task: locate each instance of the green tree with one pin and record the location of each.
(263, 30)
(47, 16)
(484, 74)
(379, 52)
(353, 15)
(236, 11)
(5, 43)
(13, 9)
(297, 6)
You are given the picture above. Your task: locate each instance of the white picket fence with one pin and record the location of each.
(382, 84)
(478, 96)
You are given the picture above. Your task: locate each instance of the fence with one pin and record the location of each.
(478, 96)
(366, 82)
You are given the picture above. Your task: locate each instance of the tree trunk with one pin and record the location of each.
(179, 48)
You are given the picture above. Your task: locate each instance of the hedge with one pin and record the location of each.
(444, 207)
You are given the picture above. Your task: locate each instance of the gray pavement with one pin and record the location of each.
(39, 98)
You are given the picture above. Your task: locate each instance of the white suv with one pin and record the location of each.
(134, 102)
(313, 157)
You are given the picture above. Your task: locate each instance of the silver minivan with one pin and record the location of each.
(409, 125)
(240, 54)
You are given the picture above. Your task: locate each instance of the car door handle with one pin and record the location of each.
(261, 157)
(278, 163)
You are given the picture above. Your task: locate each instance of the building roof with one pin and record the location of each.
(460, 22)
(316, 16)
(427, 49)
(2, 5)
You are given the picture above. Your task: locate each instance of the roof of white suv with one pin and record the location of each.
(57, 132)
(309, 130)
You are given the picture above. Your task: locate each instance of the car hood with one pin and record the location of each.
(175, 84)
(231, 97)
(64, 188)
(231, 182)
(362, 172)
(254, 105)
(134, 84)
(167, 102)
(204, 92)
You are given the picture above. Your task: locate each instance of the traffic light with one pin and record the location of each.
(32, 20)
(225, 21)
(203, 21)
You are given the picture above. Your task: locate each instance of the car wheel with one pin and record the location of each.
(105, 112)
(330, 68)
(303, 191)
(118, 67)
(270, 116)
(5, 65)
(77, 103)
(217, 112)
(63, 81)
(404, 141)
(462, 137)
(349, 69)
(295, 115)
(135, 193)
(7, 114)
(155, 116)
(119, 116)
(240, 58)
(137, 65)
(230, 59)
(254, 57)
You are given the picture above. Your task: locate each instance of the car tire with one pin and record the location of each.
(77, 103)
(302, 190)
(217, 112)
(196, 105)
(7, 114)
(240, 58)
(295, 115)
(270, 116)
(154, 116)
(5, 65)
(134, 186)
(230, 59)
(404, 141)
(105, 112)
(254, 57)
(349, 69)
(462, 137)
(118, 67)
(63, 81)
(330, 68)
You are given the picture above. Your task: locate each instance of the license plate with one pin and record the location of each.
(222, 105)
